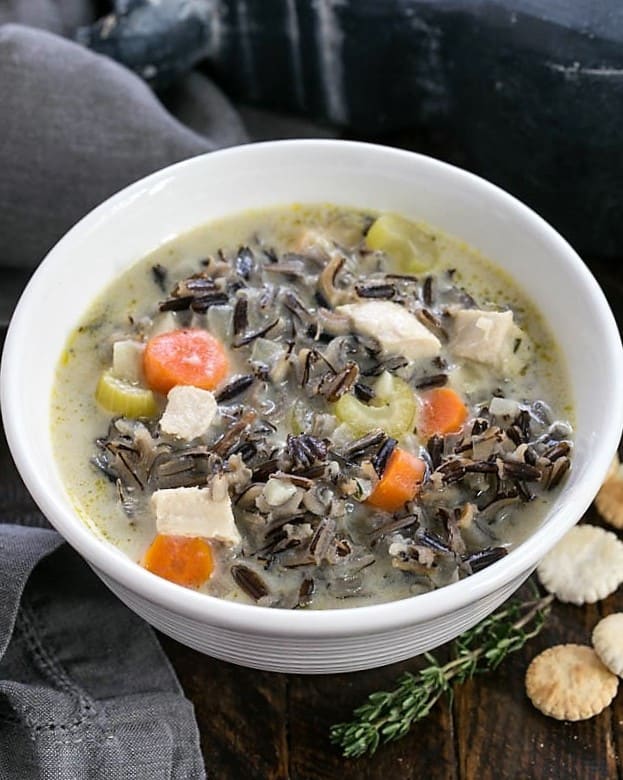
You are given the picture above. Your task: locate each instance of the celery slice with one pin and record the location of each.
(117, 396)
(412, 247)
(393, 409)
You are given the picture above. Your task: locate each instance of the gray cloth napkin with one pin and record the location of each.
(85, 689)
(76, 127)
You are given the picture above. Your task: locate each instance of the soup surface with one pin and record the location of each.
(312, 407)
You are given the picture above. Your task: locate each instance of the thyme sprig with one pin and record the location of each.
(388, 715)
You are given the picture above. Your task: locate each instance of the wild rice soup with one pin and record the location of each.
(312, 407)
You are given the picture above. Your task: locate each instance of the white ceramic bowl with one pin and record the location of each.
(170, 202)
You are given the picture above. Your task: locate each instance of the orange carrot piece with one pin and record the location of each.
(184, 357)
(442, 411)
(185, 560)
(400, 482)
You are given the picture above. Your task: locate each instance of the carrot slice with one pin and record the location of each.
(184, 357)
(443, 411)
(185, 560)
(400, 482)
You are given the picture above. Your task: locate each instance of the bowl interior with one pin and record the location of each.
(170, 202)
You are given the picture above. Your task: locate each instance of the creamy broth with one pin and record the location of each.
(463, 517)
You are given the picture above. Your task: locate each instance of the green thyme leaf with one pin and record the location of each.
(388, 715)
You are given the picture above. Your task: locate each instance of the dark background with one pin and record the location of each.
(528, 93)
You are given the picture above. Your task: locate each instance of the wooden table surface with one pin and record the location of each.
(261, 725)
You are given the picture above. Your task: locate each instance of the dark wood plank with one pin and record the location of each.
(613, 603)
(316, 703)
(268, 726)
(495, 718)
(241, 714)
(502, 736)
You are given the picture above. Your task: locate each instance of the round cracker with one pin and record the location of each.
(585, 566)
(609, 500)
(608, 642)
(569, 682)
(614, 466)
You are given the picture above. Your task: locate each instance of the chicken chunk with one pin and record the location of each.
(193, 511)
(397, 330)
(127, 360)
(189, 412)
(484, 336)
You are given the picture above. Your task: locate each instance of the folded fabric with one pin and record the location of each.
(76, 127)
(85, 689)
(57, 16)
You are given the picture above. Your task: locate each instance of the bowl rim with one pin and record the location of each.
(339, 622)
